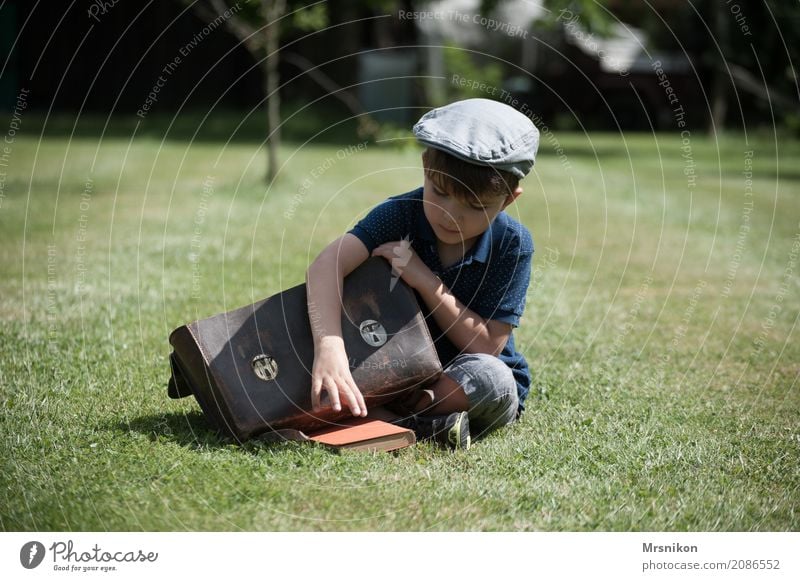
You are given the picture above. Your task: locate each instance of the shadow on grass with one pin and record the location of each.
(191, 430)
(185, 429)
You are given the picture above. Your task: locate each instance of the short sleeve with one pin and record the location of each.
(386, 222)
(505, 287)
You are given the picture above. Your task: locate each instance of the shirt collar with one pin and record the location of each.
(482, 248)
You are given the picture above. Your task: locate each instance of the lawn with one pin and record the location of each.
(659, 328)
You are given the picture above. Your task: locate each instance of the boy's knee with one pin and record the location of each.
(488, 365)
(490, 386)
(486, 370)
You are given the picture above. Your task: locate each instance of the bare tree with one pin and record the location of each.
(258, 28)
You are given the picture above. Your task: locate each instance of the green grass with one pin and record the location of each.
(664, 368)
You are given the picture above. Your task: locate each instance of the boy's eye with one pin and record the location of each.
(478, 207)
(443, 194)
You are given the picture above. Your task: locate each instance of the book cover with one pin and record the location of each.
(364, 434)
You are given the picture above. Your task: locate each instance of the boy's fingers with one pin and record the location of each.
(333, 393)
(384, 250)
(319, 384)
(359, 396)
(352, 401)
(316, 387)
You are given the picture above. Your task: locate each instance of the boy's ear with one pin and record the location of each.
(511, 197)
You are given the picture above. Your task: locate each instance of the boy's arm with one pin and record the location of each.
(331, 370)
(466, 329)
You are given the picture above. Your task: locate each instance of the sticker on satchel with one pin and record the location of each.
(373, 333)
(265, 367)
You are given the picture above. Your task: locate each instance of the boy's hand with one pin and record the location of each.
(405, 263)
(331, 372)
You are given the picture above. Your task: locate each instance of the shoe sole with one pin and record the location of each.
(456, 431)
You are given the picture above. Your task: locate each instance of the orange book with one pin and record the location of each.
(364, 434)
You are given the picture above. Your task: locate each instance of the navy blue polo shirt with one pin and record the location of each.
(491, 279)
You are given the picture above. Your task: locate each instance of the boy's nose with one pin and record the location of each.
(453, 213)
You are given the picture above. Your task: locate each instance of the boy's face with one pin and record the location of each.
(456, 221)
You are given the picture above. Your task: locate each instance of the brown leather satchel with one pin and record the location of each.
(250, 369)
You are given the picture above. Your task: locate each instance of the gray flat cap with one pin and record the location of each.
(483, 132)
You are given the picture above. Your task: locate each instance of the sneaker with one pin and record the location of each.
(451, 430)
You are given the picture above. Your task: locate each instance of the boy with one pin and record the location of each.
(468, 262)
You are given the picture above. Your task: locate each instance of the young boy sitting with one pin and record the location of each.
(468, 262)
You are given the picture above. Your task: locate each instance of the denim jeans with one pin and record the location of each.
(490, 387)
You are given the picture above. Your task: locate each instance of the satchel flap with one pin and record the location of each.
(257, 359)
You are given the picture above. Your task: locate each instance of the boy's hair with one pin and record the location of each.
(465, 180)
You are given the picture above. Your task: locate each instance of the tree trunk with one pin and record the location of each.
(719, 82)
(272, 11)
